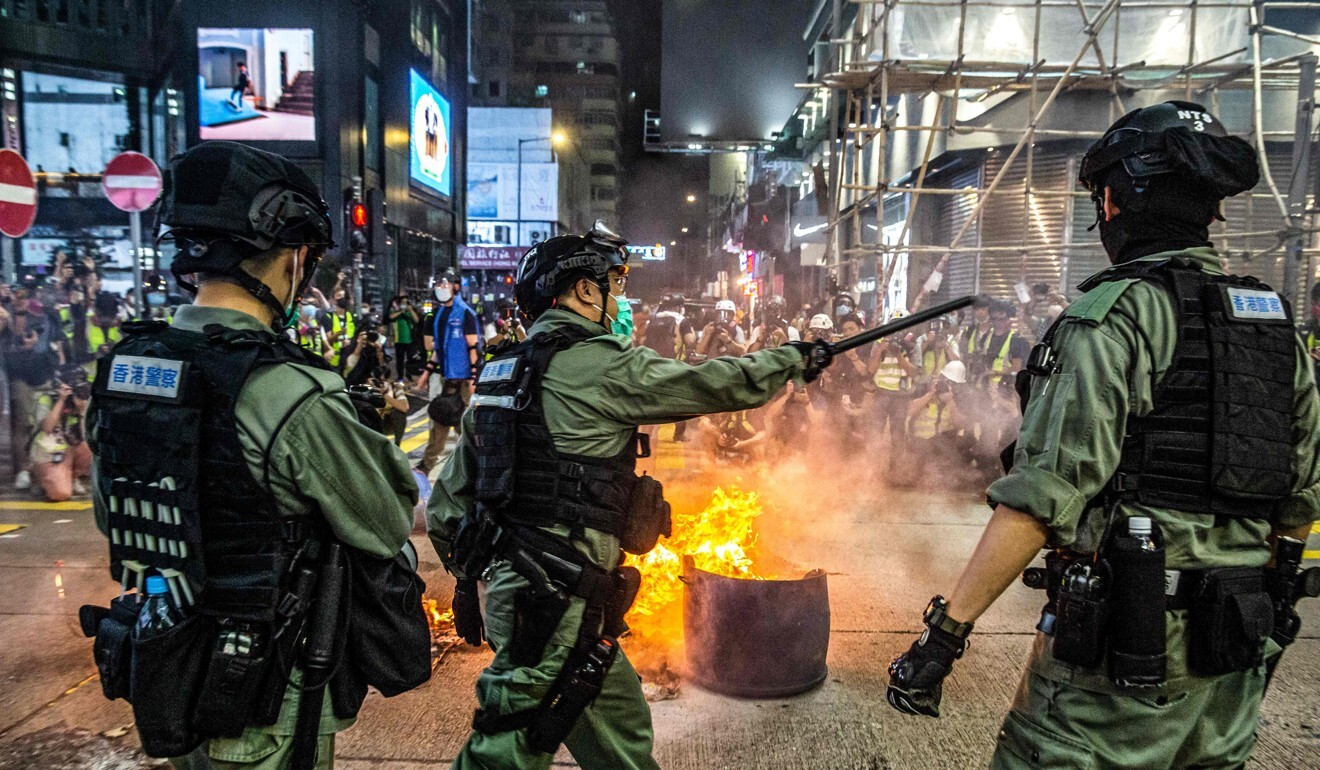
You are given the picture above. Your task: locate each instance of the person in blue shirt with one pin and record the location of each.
(452, 336)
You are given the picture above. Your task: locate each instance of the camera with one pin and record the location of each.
(372, 337)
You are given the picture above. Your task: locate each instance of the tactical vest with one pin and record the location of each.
(521, 478)
(1219, 437)
(170, 464)
(889, 375)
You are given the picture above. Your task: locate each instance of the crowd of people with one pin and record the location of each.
(939, 397)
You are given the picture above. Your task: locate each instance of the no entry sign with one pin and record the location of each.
(131, 182)
(18, 195)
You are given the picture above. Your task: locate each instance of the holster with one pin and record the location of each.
(535, 619)
(578, 685)
(648, 517)
(1231, 618)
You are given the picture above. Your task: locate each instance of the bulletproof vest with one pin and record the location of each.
(180, 493)
(521, 478)
(1219, 438)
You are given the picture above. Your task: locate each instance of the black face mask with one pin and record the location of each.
(1156, 223)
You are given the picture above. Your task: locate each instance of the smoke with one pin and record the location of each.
(818, 465)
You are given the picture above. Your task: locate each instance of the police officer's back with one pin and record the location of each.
(231, 465)
(1168, 448)
(540, 495)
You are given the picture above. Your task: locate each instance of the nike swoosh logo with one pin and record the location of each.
(798, 232)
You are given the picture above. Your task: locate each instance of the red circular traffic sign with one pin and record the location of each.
(18, 195)
(131, 181)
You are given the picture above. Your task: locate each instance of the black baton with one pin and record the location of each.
(893, 327)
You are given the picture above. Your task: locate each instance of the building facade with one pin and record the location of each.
(309, 80)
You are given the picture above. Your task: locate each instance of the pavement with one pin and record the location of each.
(886, 552)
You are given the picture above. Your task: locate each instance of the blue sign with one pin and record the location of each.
(428, 140)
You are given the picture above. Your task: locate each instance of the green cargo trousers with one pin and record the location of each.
(614, 733)
(1060, 726)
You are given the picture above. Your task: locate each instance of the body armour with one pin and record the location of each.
(523, 480)
(1218, 439)
(170, 463)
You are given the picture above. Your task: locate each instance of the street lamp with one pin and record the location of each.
(691, 198)
(556, 139)
(684, 230)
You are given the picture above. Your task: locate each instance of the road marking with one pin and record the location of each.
(1311, 554)
(33, 505)
(411, 443)
(7, 528)
(62, 521)
(419, 422)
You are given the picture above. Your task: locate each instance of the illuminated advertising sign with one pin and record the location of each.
(428, 140)
(654, 253)
(256, 84)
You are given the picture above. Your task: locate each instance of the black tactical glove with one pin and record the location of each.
(467, 613)
(815, 356)
(916, 678)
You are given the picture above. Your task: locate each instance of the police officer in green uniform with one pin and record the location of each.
(1169, 444)
(226, 459)
(540, 496)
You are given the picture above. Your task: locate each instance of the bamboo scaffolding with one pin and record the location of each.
(869, 85)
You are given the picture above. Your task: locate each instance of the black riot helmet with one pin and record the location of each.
(225, 202)
(1178, 138)
(553, 265)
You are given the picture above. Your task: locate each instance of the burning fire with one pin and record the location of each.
(720, 539)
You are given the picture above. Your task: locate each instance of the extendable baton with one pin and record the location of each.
(893, 327)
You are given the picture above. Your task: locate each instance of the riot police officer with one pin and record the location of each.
(540, 496)
(1168, 445)
(230, 463)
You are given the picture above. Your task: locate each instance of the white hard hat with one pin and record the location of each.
(726, 305)
(820, 321)
(955, 371)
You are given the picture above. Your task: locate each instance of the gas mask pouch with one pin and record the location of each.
(648, 517)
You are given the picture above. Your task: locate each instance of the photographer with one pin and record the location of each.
(722, 337)
(387, 402)
(935, 349)
(30, 363)
(403, 319)
(892, 374)
(366, 355)
(60, 458)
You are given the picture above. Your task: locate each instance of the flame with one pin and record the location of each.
(720, 539)
(441, 621)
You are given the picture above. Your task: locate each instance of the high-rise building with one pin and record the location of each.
(561, 54)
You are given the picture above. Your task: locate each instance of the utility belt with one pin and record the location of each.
(1111, 608)
(556, 572)
(206, 676)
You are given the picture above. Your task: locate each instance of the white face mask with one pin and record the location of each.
(444, 292)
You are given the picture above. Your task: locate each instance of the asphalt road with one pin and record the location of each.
(886, 553)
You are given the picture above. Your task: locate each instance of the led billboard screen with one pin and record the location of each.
(428, 139)
(256, 84)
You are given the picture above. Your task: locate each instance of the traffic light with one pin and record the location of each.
(355, 223)
(377, 240)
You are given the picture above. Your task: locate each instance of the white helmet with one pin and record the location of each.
(821, 321)
(955, 371)
(726, 305)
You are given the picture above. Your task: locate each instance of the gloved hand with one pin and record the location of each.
(815, 355)
(467, 613)
(916, 678)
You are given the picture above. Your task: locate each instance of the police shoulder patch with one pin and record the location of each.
(1095, 304)
(1254, 304)
(153, 377)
